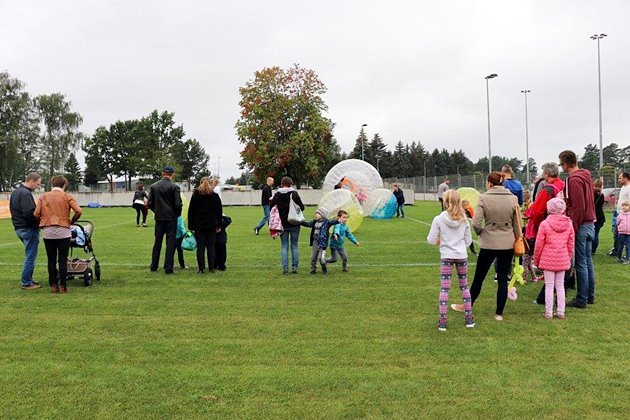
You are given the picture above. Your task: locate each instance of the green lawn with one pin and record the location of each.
(252, 343)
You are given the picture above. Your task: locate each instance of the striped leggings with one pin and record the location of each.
(446, 269)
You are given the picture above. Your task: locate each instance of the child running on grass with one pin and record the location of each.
(320, 227)
(554, 248)
(340, 232)
(451, 232)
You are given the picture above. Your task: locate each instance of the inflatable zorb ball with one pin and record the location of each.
(380, 204)
(185, 205)
(354, 175)
(342, 199)
(469, 194)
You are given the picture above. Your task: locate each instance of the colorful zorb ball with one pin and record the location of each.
(469, 194)
(354, 175)
(342, 199)
(380, 204)
(185, 205)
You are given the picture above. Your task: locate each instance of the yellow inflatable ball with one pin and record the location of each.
(343, 199)
(469, 194)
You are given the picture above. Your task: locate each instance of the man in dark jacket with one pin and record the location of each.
(400, 201)
(264, 202)
(578, 194)
(166, 203)
(22, 206)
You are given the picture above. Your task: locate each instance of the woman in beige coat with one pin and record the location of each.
(496, 225)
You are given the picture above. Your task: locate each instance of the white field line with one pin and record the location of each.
(256, 266)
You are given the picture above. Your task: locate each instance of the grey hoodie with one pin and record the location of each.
(454, 236)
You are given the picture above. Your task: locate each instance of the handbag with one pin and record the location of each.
(295, 216)
(520, 246)
(189, 243)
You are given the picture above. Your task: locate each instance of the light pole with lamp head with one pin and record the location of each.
(362, 147)
(491, 76)
(599, 82)
(525, 92)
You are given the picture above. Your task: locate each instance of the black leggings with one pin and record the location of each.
(57, 253)
(140, 209)
(484, 262)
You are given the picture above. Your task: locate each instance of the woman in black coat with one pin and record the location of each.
(204, 219)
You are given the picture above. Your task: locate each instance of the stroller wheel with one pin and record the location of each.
(87, 277)
(97, 271)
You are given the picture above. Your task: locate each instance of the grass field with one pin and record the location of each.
(252, 343)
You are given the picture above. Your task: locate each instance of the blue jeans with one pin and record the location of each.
(292, 234)
(584, 263)
(265, 219)
(30, 239)
(400, 210)
(623, 240)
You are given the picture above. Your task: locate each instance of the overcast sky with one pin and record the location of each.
(411, 70)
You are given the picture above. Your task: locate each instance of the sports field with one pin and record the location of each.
(252, 343)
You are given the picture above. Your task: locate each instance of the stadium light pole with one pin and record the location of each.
(525, 92)
(362, 146)
(491, 76)
(599, 83)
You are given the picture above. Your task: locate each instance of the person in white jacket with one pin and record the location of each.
(451, 231)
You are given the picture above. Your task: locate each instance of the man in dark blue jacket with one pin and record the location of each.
(166, 203)
(264, 202)
(22, 206)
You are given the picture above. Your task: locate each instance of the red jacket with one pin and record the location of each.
(554, 243)
(537, 212)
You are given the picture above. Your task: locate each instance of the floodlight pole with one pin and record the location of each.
(599, 84)
(491, 76)
(525, 92)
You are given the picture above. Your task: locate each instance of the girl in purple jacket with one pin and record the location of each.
(554, 248)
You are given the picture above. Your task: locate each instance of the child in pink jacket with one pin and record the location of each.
(554, 248)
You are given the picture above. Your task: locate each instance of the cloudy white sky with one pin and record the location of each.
(411, 70)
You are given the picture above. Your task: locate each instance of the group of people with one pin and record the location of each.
(560, 231)
(205, 220)
(51, 214)
(287, 196)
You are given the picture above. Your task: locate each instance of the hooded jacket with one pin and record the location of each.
(454, 236)
(324, 231)
(281, 199)
(342, 231)
(554, 243)
(578, 194)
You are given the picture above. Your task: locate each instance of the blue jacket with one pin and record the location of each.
(342, 231)
(324, 232)
(181, 229)
(515, 188)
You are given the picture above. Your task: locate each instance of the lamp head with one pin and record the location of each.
(491, 76)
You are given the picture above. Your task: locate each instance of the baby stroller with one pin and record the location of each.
(87, 267)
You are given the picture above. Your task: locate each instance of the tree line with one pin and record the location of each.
(41, 134)
(282, 126)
